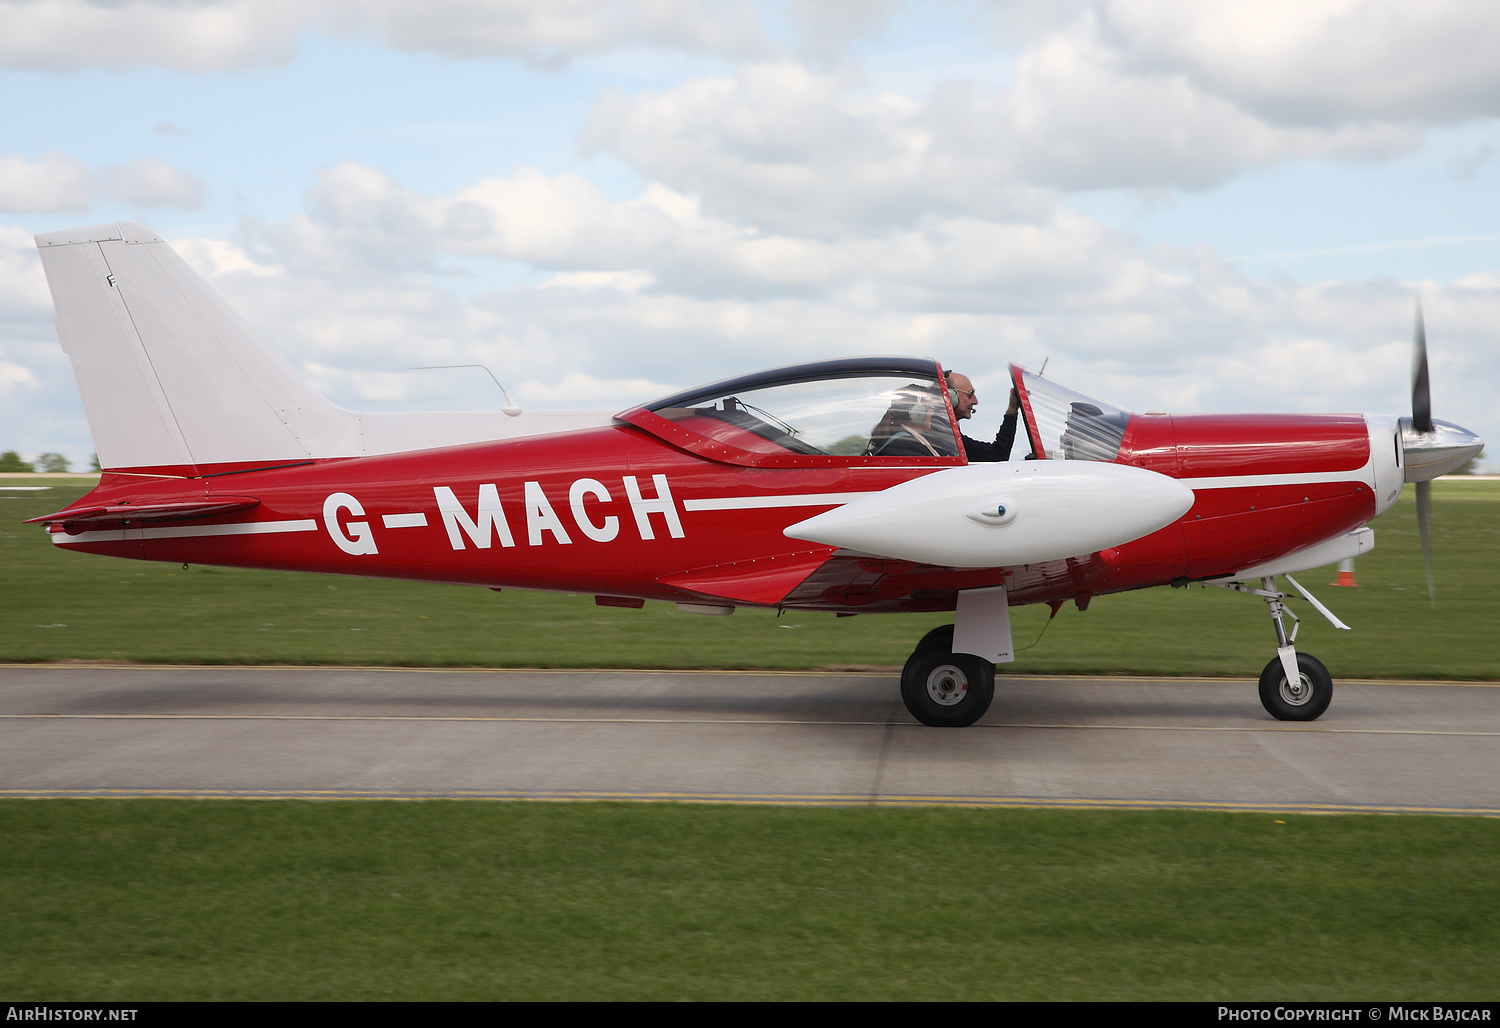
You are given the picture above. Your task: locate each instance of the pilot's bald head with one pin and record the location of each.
(967, 399)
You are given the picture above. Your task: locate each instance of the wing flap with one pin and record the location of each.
(764, 580)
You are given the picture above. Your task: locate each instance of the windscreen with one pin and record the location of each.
(1072, 426)
(871, 415)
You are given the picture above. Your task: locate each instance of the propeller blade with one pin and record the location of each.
(1421, 397)
(1424, 529)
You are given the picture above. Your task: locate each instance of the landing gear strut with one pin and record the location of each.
(944, 689)
(1294, 686)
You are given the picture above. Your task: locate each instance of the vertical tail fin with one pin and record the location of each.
(173, 380)
(170, 376)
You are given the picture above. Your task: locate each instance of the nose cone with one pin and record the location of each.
(1430, 454)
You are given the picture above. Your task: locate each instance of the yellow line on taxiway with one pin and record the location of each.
(780, 799)
(486, 718)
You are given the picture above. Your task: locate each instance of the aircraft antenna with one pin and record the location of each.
(511, 407)
(1039, 374)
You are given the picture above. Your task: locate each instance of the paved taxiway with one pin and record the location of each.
(79, 730)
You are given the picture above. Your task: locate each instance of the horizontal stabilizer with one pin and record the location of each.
(127, 513)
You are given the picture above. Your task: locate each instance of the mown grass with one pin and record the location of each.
(56, 605)
(201, 900)
(183, 900)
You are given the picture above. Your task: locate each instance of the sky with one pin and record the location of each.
(1185, 205)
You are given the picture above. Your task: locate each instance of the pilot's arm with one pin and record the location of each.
(978, 452)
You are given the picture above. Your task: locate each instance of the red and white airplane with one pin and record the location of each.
(840, 485)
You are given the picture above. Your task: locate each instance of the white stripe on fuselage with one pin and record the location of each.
(111, 535)
(759, 502)
(1294, 478)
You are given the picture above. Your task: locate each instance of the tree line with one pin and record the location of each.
(12, 463)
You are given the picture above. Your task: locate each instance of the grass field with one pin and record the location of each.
(56, 605)
(183, 900)
(147, 899)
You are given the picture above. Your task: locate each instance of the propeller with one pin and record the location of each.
(1421, 421)
(1421, 395)
(1424, 530)
(1430, 448)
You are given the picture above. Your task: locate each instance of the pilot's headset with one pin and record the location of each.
(952, 392)
(916, 411)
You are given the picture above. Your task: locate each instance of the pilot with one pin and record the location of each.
(905, 429)
(961, 394)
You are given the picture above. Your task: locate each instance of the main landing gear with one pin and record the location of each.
(953, 690)
(946, 689)
(1294, 686)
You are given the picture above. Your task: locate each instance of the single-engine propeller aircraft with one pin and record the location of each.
(780, 489)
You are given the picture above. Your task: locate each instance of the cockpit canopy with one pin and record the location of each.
(879, 409)
(866, 410)
(1064, 424)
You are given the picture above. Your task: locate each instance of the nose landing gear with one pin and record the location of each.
(1295, 686)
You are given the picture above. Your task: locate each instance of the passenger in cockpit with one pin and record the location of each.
(905, 429)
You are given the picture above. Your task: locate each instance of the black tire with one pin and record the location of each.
(939, 639)
(947, 690)
(1305, 703)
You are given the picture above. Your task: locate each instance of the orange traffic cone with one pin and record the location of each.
(1346, 573)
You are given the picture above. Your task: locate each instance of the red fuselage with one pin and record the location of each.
(622, 513)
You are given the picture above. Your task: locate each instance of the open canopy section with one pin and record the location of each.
(868, 409)
(1065, 424)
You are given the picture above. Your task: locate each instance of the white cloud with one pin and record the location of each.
(13, 376)
(50, 183)
(182, 34)
(1323, 61)
(828, 26)
(55, 182)
(149, 182)
(792, 214)
(621, 281)
(1290, 63)
(209, 35)
(780, 146)
(1202, 339)
(783, 147)
(217, 257)
(691, 297)
(24, 298)
(1080, 117)
(361, 221)
(554, 32)
(359, 217)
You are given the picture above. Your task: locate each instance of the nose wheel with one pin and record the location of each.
(1295, 686)
(1303, 700)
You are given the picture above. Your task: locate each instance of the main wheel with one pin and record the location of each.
(1304, 701)
(947, 690)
